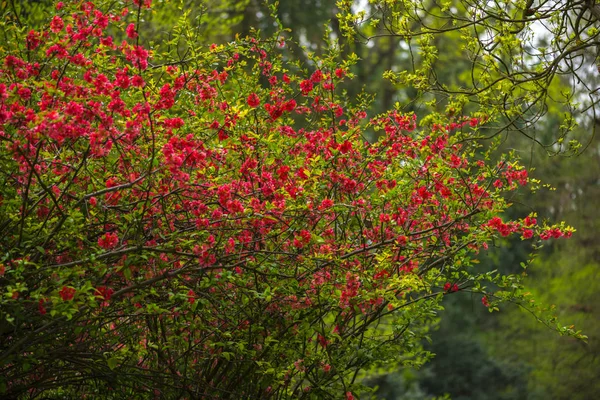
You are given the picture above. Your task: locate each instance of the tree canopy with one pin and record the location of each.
(515, 61)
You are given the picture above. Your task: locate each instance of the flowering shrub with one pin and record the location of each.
(217, 224)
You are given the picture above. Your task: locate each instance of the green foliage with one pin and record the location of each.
(565, 276)
(502, 59)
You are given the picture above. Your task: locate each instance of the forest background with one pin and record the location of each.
(472, 360)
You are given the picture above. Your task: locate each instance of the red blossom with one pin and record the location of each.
(450, 287)
(317, 76)
(131, 31)
(57, 24)
(67, 293)
(306, 86)
(138, 56)
(41, 307)
(108, 241)
(191, 296)
(290, 105)
(484, 301)
(325, 204)
(322, 340)
(33, 40)
(253, 100)
(104, 292)
(137, 81)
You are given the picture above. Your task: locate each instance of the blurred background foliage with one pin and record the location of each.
(506, 355)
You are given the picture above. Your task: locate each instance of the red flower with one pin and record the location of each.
(137, 81)
(191, 297)
(67, 293)
(57, 24)
(104, 292)
(449, 287)
(253, 100)
(325, 204)
(484, 301)
(322, 340)
(306, 86)
(290, 105)
(33, 40)
(130, 30)
(317, 76)
(108, 241)
(41, 307)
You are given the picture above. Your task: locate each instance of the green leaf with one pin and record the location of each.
(112, 363)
